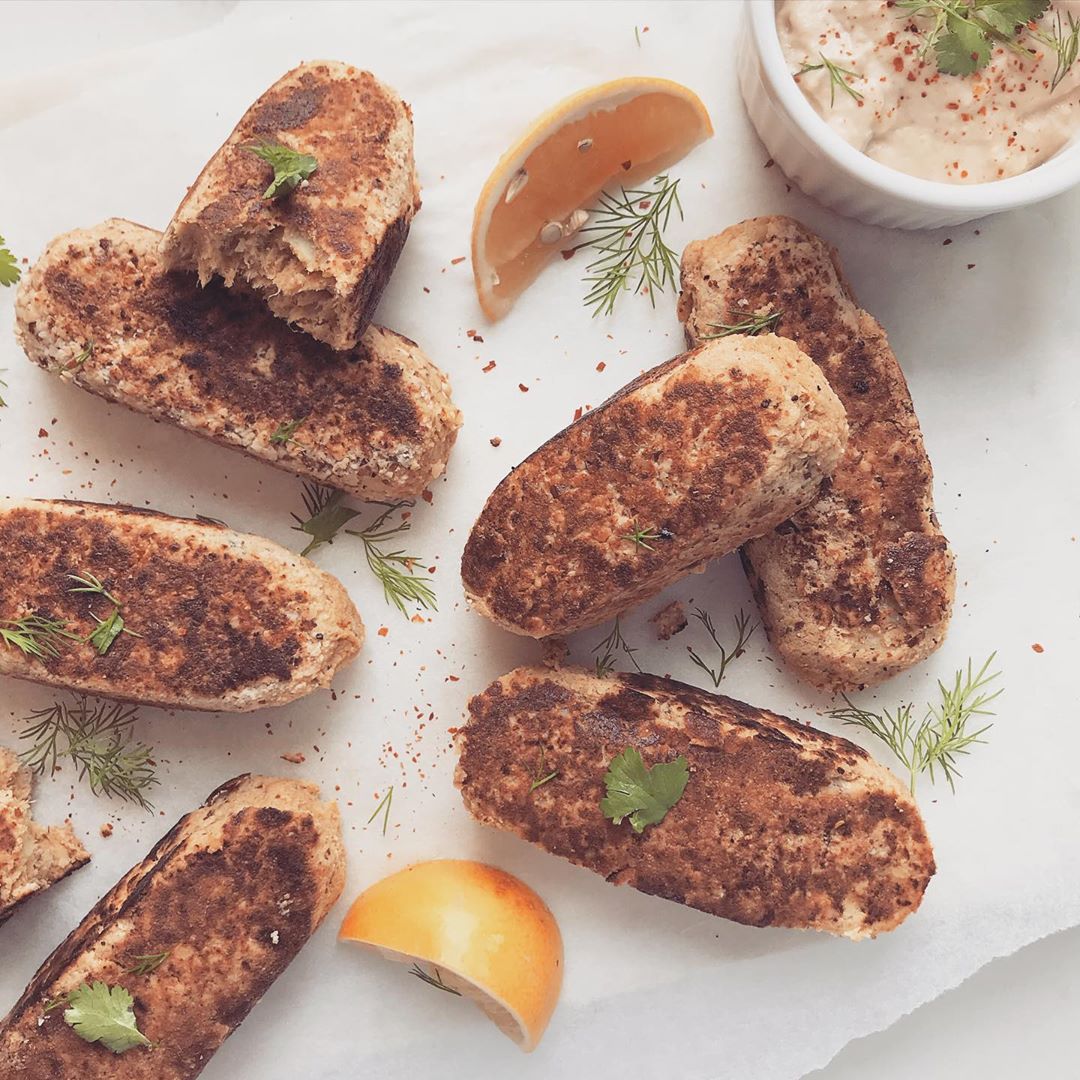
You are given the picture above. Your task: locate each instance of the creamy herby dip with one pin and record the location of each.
(903, 112)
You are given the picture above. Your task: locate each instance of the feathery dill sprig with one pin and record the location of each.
(838, 77)
(942, 735)
(99, 740)
(627, 234)
(612, 645)
(744, 631)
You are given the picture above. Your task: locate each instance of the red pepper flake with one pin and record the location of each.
(770, 163)
(1037, 648)
(459, 259)
(946, 242)
(971, 266)
(523, 388)
(42, 433)
(453, 678)
(601, 366)
(478, 339)
(106, 829)
(418, 618)
(626, 165)
(577, 413)
(495, 440)
(489, 366)
(294, 758)
(898, 63)
(383, 631)
(426, 496)
(568, 253)
(426, 289)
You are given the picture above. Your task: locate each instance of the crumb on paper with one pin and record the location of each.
(458, 260)
(275, 937)
(495, 440)
(523, 388)
(554, 651)
(107, 829)
(489, 366)
(669, 620)
(295, 758)
(1037, 648)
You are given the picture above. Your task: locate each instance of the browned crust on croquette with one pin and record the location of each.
(224, 620)
(859, 585)
(377, 421)
(321, 255)
(779, 825)
(232, 893)
(701, 453)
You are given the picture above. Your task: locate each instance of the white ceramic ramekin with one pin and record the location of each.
(830, 170)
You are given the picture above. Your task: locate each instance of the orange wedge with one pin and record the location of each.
(472, 930)
(619, 132)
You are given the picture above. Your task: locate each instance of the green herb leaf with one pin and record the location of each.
(148, 963)
(3, 403)
(98, 740)
(751, 325)
(84, 355)
(9, 266)
(608, 648)
(285, 432)
(104, 1014)
(838, 78)
(290, 167)
(435, 979)
(744, 631)
(327, 515)
(35, 635)
(384, 808)
(644, 795)
(628, 236)
(541, 777)
(942, 735)
(963, 49)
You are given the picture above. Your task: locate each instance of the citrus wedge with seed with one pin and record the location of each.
(536, 198)
(470, 929)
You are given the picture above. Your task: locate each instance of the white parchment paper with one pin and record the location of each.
(984, 328)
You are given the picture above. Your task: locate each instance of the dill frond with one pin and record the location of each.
(611, 645)
(744, 631)
(942, 736)
(627, 235)
(98, 740)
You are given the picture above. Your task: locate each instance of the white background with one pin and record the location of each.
(990, 356)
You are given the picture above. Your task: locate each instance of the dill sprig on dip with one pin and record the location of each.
(627, 234)
(98, 740)
(744, 631)
(942, 735)
(838, 77)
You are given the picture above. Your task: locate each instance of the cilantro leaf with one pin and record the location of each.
(290, 166)
(642, 794)
(1004, 16)
(963, 49)
(104, 1014)
(9, 267)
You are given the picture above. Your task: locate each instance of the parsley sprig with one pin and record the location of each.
(627, 235)
(291, 168)
(962, 33)
(943, 734)
(98, 740)
(9, 265)
(328, 514)
(642, 794)
(105, 1014)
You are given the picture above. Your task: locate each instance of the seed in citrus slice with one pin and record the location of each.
(536, 198)
(474, 930)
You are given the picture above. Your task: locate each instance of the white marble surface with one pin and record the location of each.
(1011, 1015)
